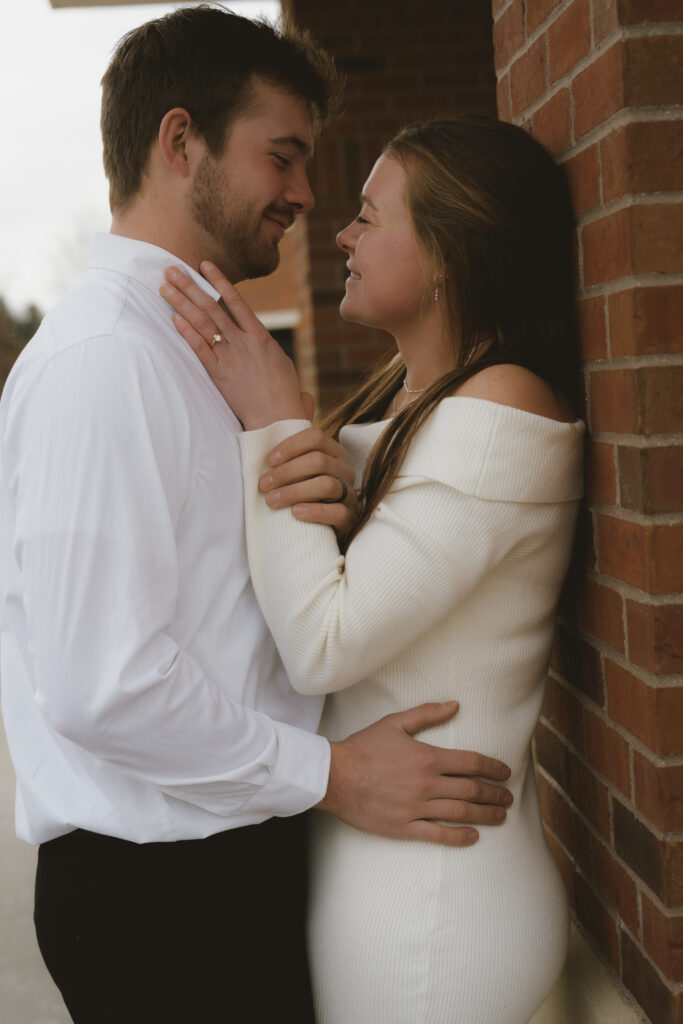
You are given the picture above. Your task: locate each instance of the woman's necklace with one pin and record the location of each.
(410, 391)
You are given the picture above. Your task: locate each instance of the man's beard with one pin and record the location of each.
(234, 224)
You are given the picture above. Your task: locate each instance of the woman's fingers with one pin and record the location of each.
(310, 440)
(304, 467)
(205, 353)
(337, 515)
(239, 310)
(196, 307)
(324, 489)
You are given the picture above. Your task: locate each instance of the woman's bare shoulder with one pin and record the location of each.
(516, 386)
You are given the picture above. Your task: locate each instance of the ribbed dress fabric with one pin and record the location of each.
(449, 591)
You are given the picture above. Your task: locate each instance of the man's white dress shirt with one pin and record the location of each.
(142, 693)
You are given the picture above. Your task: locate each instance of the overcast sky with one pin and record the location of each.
(54, 193)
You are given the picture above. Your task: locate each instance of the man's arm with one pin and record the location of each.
(99, 460)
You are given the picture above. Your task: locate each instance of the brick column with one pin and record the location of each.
(403, 62)
(598, 82)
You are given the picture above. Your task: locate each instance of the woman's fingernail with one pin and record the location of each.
(173, 273)
(266, 482)
(166, 288)
(275, 458)
(206, 265)
(273, 498)
(300, 511)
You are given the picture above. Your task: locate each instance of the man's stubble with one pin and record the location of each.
(233, 222)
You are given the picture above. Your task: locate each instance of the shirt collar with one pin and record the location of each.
(143, 262)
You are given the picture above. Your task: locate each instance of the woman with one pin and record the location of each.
(450, 579)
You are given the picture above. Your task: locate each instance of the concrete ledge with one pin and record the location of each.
(586, 992)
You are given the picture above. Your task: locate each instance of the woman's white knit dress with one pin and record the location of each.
(449, 591)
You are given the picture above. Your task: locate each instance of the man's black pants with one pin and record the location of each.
(198, 931)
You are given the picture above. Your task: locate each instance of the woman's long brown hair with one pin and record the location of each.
(492, 213)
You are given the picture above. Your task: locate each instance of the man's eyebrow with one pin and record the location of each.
(368, 200)
(293, 140)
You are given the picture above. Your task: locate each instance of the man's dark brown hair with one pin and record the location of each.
(201, 58)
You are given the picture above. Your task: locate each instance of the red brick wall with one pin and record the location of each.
(597, 81)
(403, 62)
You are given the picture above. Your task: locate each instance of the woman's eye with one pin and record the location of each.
(361, 220)
(283, 160)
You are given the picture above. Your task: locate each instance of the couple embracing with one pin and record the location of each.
(193, 574)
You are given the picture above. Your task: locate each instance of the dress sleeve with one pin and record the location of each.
(336, 619)
(98, 460)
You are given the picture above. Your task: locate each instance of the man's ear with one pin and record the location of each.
(177, 140)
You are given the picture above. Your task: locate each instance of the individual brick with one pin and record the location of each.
(606, 245)
(661, 1005)
(583, 174)
(597, 920)
(551, 754)
(659, 792)
(658, 862)
(598, 91)
(569, 39)
(653, 714)
(647, 12)
(656, 231)
(615, 884)
(564, 712)
(613, 401)
(601, 614)
(649, 557)
(508, 34)
(605, 20)
(573, 833)
(663, 939)
(551, 124)
(504, 99)
(601, 474)
(579, 664)
(591, 314)
(645, 400)
(653, 70)
(645, 320)
(608, 751)
(588, 794)
(536, 13)
(655, 636)
(641, 239)
(644, 156)
(528, 76)
(651, 479)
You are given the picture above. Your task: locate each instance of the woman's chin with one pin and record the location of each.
(347, 312)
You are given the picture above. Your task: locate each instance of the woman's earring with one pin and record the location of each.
(436, 293)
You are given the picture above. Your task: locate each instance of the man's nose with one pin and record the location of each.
(300, 195)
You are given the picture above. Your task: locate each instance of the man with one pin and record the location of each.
(162, 758)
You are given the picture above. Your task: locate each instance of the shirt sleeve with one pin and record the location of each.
(337, 619)
(99, 461)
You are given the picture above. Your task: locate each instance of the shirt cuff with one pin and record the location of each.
(300, 776)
